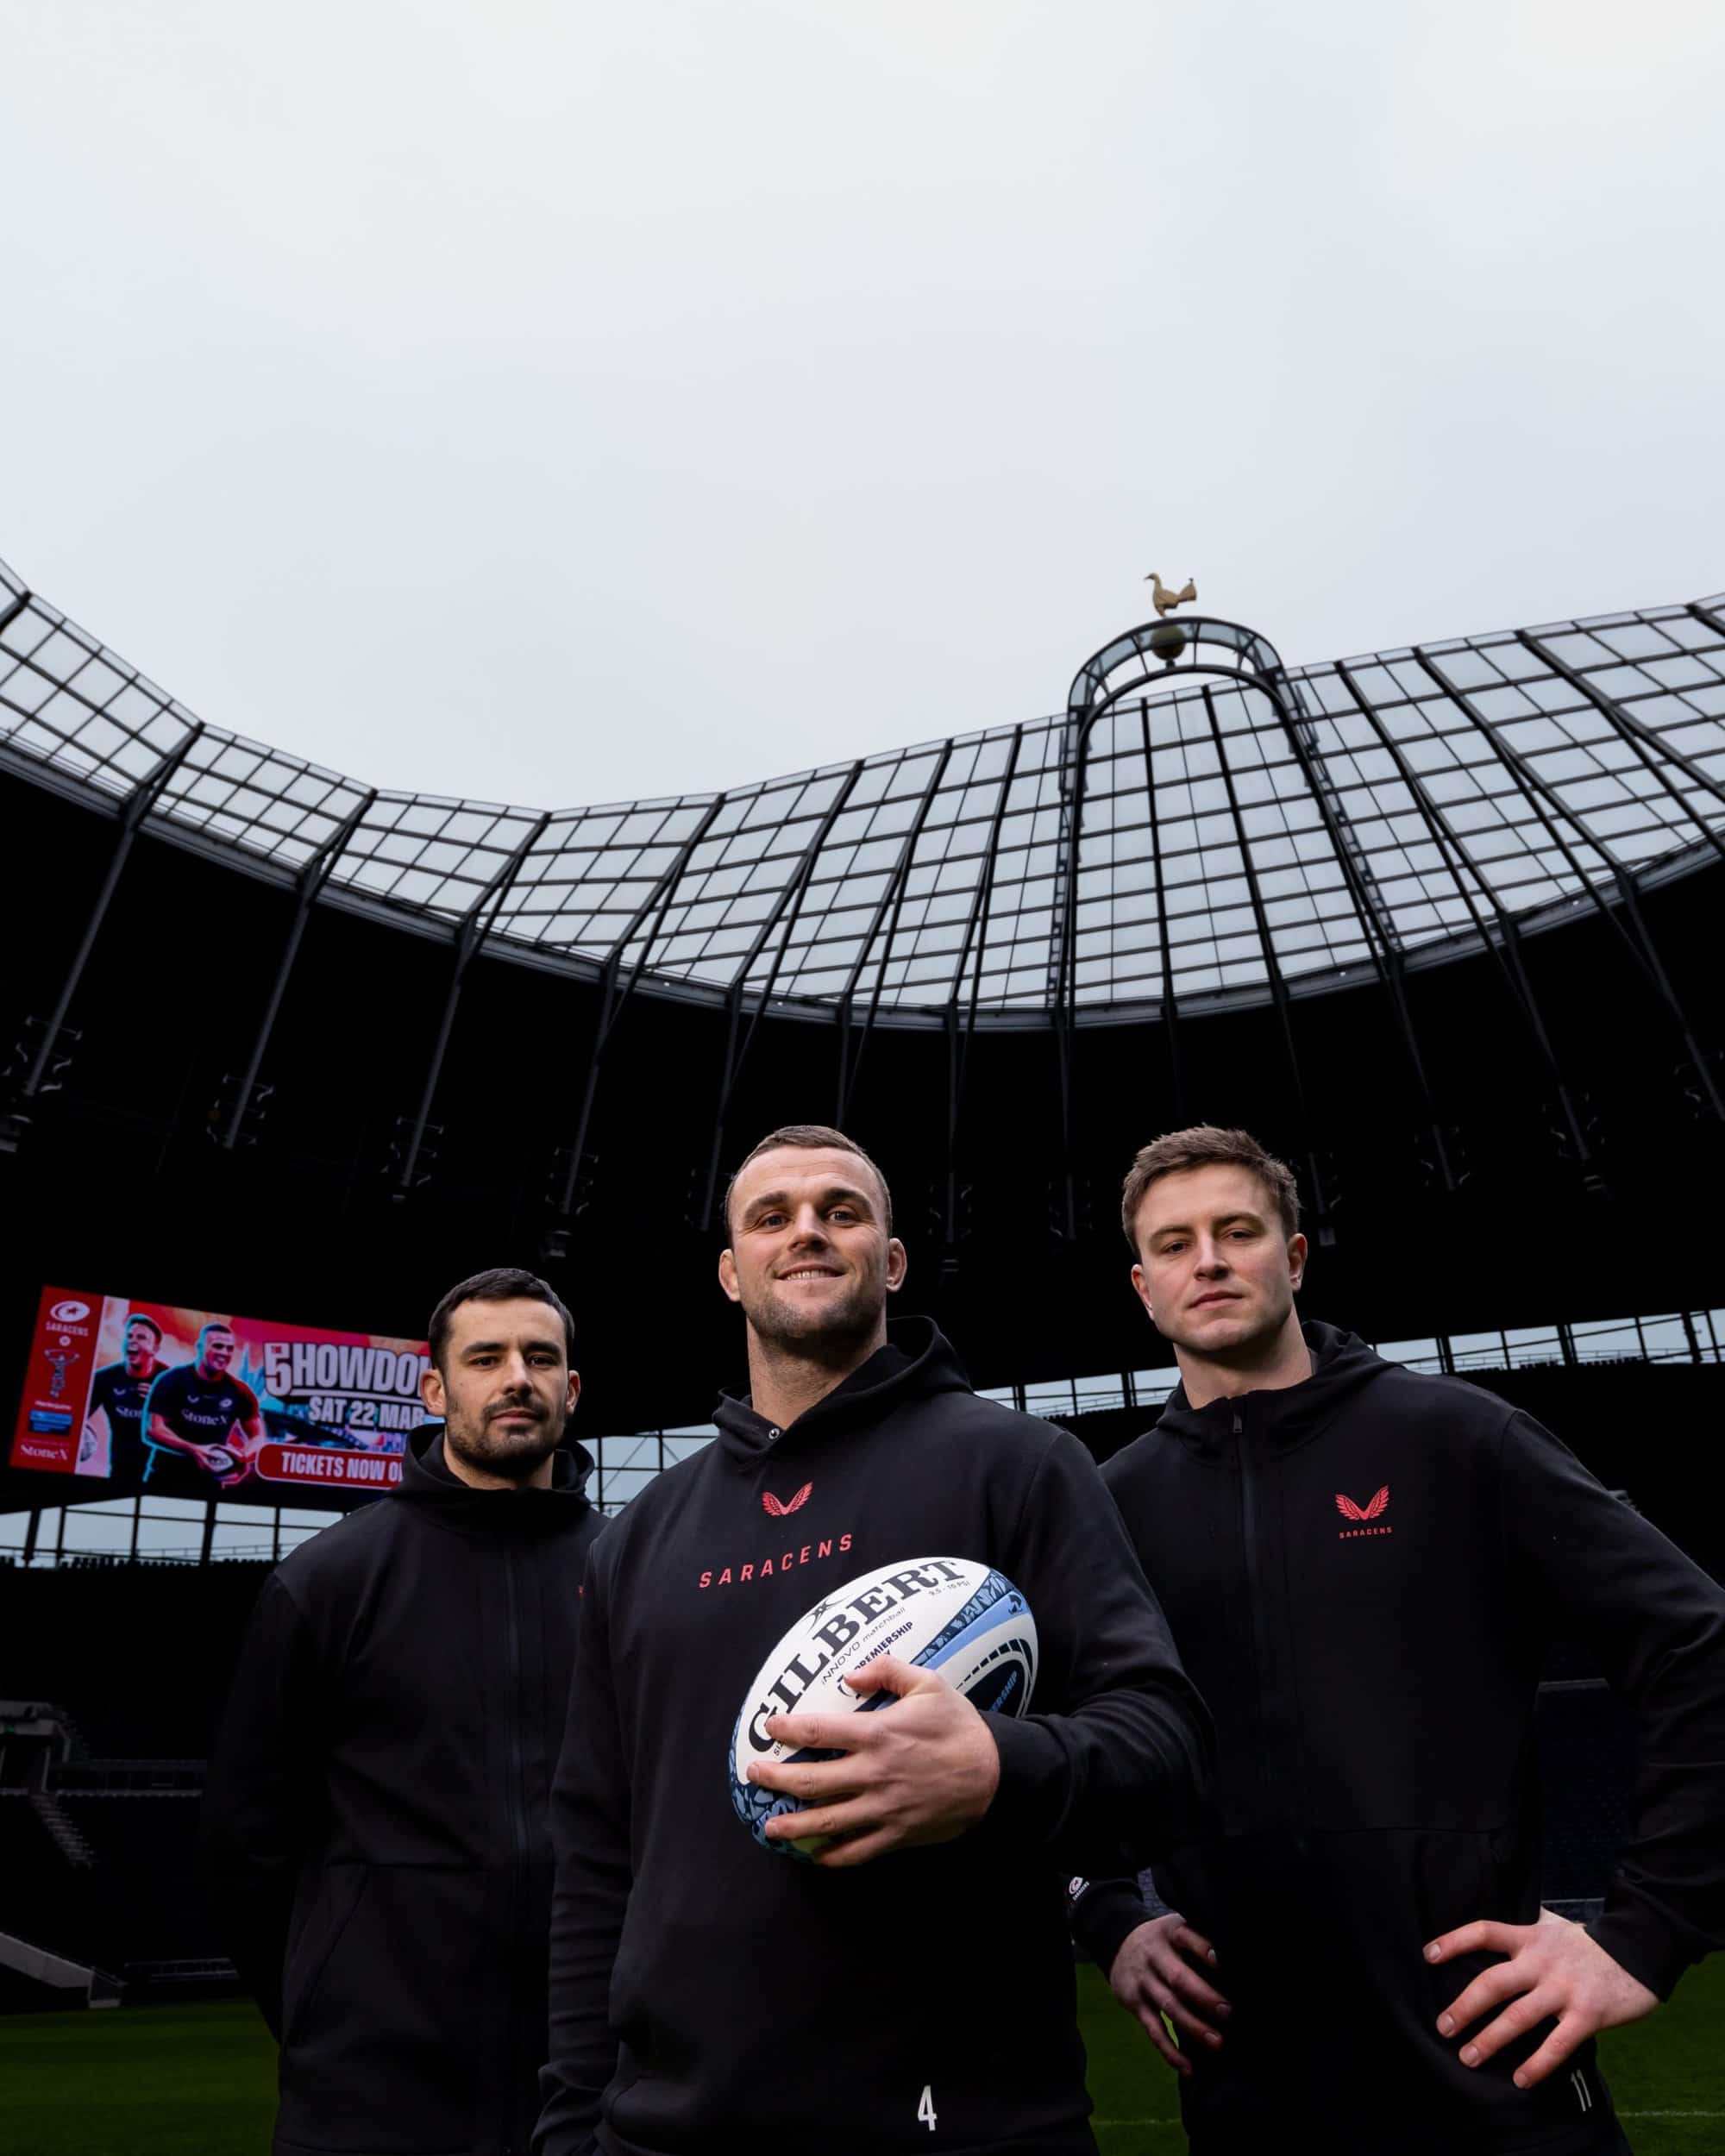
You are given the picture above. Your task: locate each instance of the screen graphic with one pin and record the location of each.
(200, 1403)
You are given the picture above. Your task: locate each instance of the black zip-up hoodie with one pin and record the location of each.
(375, 1827)
(1364, 1572)
(708, 1994)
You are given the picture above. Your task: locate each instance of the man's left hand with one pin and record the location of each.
(921, 1769)
(1554, 1969)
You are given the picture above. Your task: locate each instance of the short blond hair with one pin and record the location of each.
(1207, 1145)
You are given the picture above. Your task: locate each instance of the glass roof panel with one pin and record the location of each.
(1206, 832)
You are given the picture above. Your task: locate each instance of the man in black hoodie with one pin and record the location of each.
(1365, 1569)
(913, 1986)
(375, 1826)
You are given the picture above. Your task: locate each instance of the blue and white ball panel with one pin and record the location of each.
(952, 1614)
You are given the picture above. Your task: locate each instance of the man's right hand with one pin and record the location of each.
(1157, 1972)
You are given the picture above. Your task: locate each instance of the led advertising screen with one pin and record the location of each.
(203, 1403)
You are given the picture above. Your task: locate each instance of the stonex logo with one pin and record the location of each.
(784, 1690)
(1373, 1509)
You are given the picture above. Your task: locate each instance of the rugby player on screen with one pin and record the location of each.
(911, 1986)
(201, 1421)
(1366, 1568)
(117, 1394)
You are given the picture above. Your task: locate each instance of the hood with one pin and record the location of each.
(427, 1483)
(1286, 1415)
(917, 1361)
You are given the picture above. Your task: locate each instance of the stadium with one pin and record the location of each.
(1438, 923)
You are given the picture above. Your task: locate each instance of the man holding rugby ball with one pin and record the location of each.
(909, 1985)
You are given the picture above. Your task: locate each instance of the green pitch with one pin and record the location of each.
(198, 2080)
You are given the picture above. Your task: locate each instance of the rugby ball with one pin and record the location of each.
(222, 1461)
(952, 1614)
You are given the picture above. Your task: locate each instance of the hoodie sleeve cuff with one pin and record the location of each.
(1639, 1939)
(1029, 1801)
(1105, 1912)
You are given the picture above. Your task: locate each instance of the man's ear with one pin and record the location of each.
(575, 1391)
(432, 1392)
(898, 1264)
(1297, 1247)
(1141, 1289)
(727, 1277)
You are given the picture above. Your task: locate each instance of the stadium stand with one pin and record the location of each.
(99, 1887)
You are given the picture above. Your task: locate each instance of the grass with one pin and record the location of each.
(155, 2081)
(199, 2080)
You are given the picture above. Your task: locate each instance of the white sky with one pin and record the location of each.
(567, 402)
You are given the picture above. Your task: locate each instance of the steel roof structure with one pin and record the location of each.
(1201, 827)
(277, 1041)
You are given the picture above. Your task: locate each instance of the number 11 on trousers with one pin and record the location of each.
(925, 2107)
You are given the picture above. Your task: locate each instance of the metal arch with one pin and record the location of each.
(138, 804)
(1505, 946)
(1089, 692)
(470, 934)
(893, 899)
(735, 1054)
(1090, 698)
(1549, 806)
(1087, 700)
(310, 880)
(612, 1003)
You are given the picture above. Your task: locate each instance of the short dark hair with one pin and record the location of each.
(138, 1318)
(501, 1283)
(813, 1137)
(213, 1325)
(1208, 1145)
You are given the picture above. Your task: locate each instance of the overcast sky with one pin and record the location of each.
(561, 401)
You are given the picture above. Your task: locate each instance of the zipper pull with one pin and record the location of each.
(1237, 1421)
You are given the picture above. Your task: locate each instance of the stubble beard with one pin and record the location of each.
(514, 1454)
(820, 1336)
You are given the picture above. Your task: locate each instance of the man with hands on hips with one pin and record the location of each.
(1365, 1569)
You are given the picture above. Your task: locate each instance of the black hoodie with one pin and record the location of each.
(375, 1825)
(1365, 1572)
(708, 1994)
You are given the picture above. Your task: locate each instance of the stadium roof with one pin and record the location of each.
(1241, 829)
